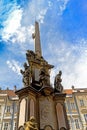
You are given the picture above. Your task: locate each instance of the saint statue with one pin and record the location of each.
(44, 77)
(57, 82)
(26, 75)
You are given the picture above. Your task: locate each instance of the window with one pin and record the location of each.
(6, 126)
(14, 125)
(16, 108)
(0, 109)
(85, 116)
(73, 107)
(77, 124)
(81, 103)
(8, 109)
(69, 123)
(65, 105)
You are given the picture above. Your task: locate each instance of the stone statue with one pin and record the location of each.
(44, 77)
(31, 124)
(57, 82)
(30, 54)
(26, 75)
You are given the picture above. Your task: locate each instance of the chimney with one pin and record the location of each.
(7, 88)
(73, 87)
(15, 88)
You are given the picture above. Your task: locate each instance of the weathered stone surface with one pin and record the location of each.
(47, 112)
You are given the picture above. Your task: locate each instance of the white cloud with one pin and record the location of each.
(50, 4)
(58, 5)
(14, 32)
(42, 15)
(37, 9)
(62, 6)
(72, 60)
(23, 35)
(18, 28)
(12, 24)
(14, 65)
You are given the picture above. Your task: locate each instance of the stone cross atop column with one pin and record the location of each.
(37, 40)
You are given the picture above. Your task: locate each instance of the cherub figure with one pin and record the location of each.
(31, 124)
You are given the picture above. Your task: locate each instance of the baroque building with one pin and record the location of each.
(76, 108)
(8, 109)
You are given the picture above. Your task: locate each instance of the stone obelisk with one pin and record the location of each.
(38, 51)
(37, 40)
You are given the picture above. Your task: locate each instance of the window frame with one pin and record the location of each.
(73, 106)
(6, 125)
(85, 117)
(77, 124)
(8, 109)
(15, 124)
(81, 102)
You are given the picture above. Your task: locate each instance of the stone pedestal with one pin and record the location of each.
(45, 105)
(62, 121)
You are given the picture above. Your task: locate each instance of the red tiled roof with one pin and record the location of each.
(8, 92)
(68, 91)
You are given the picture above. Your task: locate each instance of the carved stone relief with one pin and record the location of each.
(47, 113)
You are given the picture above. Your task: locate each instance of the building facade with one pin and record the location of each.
(76, 107)
(75, 102)
(8, 110)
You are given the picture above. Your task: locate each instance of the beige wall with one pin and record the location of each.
(79, 111)
(6, 117)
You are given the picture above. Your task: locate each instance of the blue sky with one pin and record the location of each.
(63, 31)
